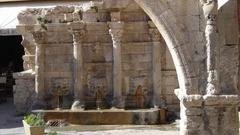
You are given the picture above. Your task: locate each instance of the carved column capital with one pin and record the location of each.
(78, 31)
(116, 31)
(210, 10)
(39, 36)
(155, 35)
(78, 36)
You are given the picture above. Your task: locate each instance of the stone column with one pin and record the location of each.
(157, 70)
(78, 33)
(210, 9)
(116, 32)
(39, 38)
(212, 113)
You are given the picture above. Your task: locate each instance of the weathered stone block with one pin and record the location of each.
(139, 16)
(192, 124)
(194, 112)
(136, 37)
(58, 59)
(59, 50)
(24, 92)
(171, 81)
(59, 67)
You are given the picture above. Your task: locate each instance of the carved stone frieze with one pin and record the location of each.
(210, 10)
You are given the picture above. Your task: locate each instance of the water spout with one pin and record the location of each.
(99, 98)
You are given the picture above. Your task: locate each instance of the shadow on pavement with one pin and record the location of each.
(8, 118)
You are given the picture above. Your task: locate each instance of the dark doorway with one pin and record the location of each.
(11, 52)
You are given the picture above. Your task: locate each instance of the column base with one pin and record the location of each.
(160, 103)
(114, 108)
(209, 115)
(118, 103)
(77, 105)
(210, 120)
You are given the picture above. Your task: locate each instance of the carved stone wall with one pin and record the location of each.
(197, 50)
(55, 55)
(97, 61)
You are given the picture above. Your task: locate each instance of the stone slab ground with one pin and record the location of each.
(171, 129)
(9, 123)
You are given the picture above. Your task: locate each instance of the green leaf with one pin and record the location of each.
(34, 120)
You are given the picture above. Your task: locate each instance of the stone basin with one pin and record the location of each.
(106, 116)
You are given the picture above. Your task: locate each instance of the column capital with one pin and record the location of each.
(210, 10)
(78, 36)
(155, 35)
(116, 30)
(39, 37)
(78, 31)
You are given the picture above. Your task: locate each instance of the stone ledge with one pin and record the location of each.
(189, 100)
(207, 100)
(50, 27)
(24, 74)
(106, 116)
(221, 99)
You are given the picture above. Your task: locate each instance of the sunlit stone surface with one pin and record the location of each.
(129, 54)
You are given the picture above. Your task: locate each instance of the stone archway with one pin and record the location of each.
(209, 114)
(200, 114)
(174, 36)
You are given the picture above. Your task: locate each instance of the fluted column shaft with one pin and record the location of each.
(116, 32)
(78, 33)
(157, 71)
(39, 38)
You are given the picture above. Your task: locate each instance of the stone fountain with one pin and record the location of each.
(109, 67)
(59, 89)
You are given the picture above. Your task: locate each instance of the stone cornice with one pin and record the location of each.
(26, 28)
(76, 26)
(155, 35)
(207, 100)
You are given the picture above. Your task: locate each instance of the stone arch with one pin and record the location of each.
(175, 37)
